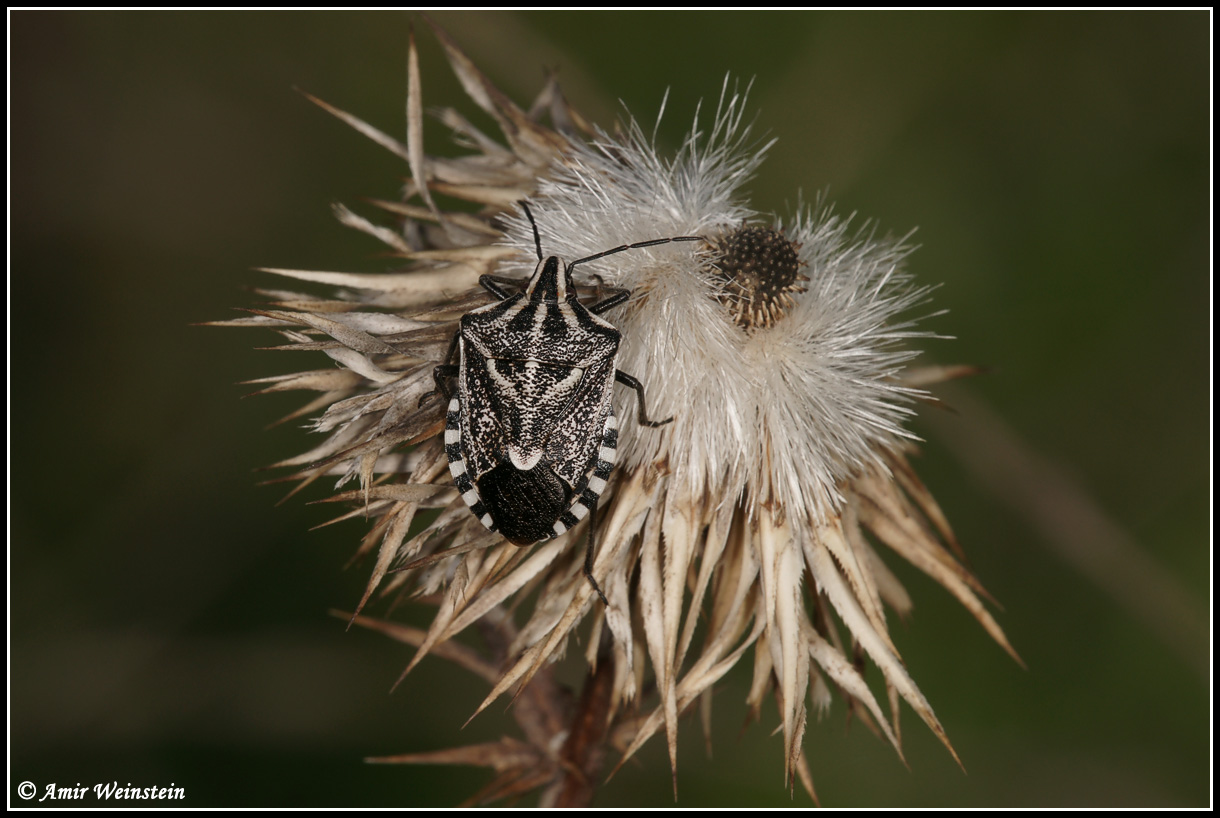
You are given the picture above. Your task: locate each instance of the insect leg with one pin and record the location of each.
(445, 370)
(492, 285)
(589, 552)
(626, 380)
(609, 302)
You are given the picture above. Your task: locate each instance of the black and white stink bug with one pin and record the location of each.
(530, 433)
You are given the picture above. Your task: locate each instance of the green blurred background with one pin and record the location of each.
(169, 623)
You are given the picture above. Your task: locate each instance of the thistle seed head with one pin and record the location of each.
(759, 521)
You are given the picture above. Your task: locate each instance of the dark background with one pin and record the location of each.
(169, 623)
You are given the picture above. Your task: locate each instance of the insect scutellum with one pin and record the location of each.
(530, 433)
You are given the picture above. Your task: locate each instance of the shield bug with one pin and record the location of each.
(530, 432)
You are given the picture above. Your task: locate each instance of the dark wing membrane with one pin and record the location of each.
(527, 503)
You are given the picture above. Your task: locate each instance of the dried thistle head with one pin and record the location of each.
(759, 514)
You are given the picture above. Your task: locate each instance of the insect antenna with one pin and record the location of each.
(652, 243)
(534, 224)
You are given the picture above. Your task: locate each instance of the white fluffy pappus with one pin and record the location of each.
(778, 414)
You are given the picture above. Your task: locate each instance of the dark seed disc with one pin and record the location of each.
(761, 270)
